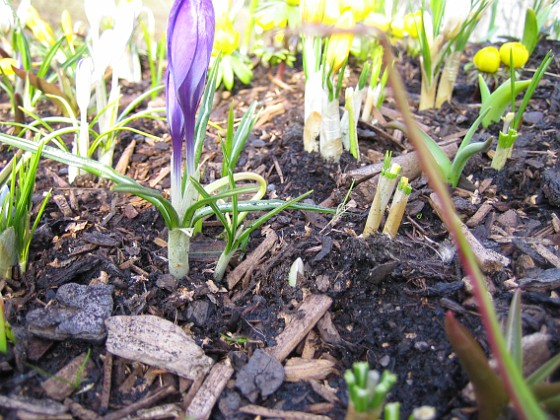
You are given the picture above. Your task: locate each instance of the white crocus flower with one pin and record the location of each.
(84, 73)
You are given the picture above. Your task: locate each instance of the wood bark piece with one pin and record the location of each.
(490, 261)
(246, 267)
(64, 382)
(156, 342)
(122, 164)
(79, 411)
(298, 369)
(148, 401)
(206, 397)
(33, 405)
(297, 326)
(287, 415)
(410, 166)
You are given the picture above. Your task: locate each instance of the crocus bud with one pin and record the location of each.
(190, 35)
(84, 72)
(378, 20)
(340, 43)
(413, 23)
(66, 25)
(312, 11)
(518, 52)
(487, 60)
(332, 12)
(357, 7)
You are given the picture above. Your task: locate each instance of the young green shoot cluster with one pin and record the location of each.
(367, 391)
(386, 184)
(17, 181)
(441, 48)
(503, 97)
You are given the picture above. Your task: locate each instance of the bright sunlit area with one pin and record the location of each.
(289, 209)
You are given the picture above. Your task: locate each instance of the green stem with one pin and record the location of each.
(178, 246)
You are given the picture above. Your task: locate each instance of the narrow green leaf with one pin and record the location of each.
(490, 393)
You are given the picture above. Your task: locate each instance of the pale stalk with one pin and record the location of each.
(368, 104)
(385, 187)
(397, 209)
(178, 246)
(506, 138)
(427, 94)
(354, 99)
(330, 138)
(448, 78)
(312, 111)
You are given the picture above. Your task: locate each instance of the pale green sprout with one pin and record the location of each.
(296, 270)
(512, 120)
(385, 186)
(352, 108)
(367, 390)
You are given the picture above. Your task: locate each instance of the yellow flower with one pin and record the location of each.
(226, 38)
(41, 29)
(6, 65)
(339, 44)
(66, 25)
(293, 2)
(358, 8)
(487, 60)
(413, 23)
(397, 27)
(312, 11)
(519, 54)
(332, 12)
(379, 21)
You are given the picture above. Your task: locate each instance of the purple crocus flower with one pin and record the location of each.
(190, 35)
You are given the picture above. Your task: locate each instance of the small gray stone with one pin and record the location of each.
(263, 374)
(197, 312)
(533, 117)
(79, 314)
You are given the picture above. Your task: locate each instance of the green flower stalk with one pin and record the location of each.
(398, 207)
(385, 187)
(500, 100)
(367, 391)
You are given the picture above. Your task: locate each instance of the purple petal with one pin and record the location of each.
(189, 43)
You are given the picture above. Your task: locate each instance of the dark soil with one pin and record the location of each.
(389, 296)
